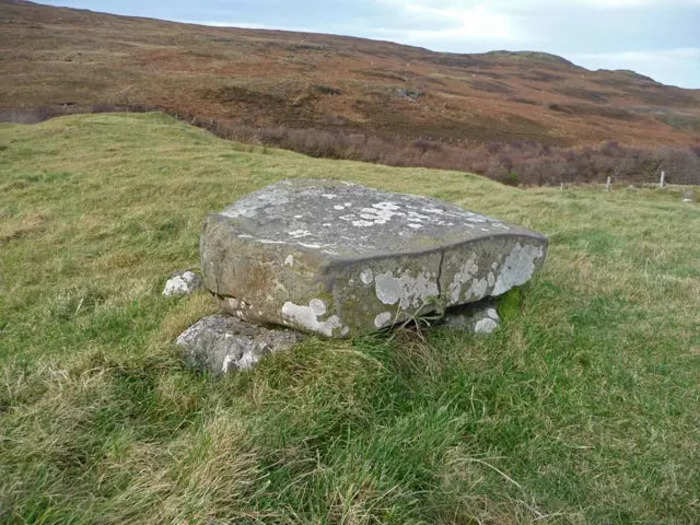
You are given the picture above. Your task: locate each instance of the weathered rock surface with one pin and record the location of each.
(182, 283)
(222, 343)
(480, 318)
(339, 259)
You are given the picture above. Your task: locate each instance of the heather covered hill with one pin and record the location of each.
(349, 97)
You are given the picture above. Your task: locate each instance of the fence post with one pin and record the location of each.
(662, 180)
(607, 183)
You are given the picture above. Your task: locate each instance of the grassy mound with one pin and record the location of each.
(582, 408)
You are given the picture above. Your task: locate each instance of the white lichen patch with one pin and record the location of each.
(376, 221)
(308, 317)
(463, 277)
(367, 276)
(387, 206)
(228, 359)
(477, 290)
(379, 213)
(256, 202)
(517, 267)
(382, 320)
(233, 304)
(417, 217)
(241, 211)
(317, 306)
(408, 290)
(270, 241)
(408, 218)
(298, 234)
(248, 361)
(485, 326)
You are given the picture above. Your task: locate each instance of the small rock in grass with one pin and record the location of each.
(480, 318)
(182, 283)
(688, 196)
(221, 343)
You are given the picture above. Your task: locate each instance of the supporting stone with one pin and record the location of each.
(221, 343)
(480, 318)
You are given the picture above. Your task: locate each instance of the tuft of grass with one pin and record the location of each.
(583, 408)
(510, 304)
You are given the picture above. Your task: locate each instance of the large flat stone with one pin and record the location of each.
(339, 259)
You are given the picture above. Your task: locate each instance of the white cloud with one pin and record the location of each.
(515, 6)
(248, 25)
(670, 66)
(616, 4)
(452, 20)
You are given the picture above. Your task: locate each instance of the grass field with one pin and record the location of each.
(583, 409)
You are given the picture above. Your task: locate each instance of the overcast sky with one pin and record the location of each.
(658, 38)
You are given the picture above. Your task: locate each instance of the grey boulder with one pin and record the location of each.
(222, 343)
(182, 283)
(479, 318)
(339, 259)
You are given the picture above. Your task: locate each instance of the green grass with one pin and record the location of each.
(584, 408)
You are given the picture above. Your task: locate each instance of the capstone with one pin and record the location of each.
(338, 259)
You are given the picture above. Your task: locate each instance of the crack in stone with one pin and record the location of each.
(439, 274)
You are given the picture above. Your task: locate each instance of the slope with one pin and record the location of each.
(334, 96)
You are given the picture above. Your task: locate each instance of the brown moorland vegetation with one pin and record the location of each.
(518, 117)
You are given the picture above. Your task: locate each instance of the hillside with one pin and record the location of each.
(340, 96)
(582, 408)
